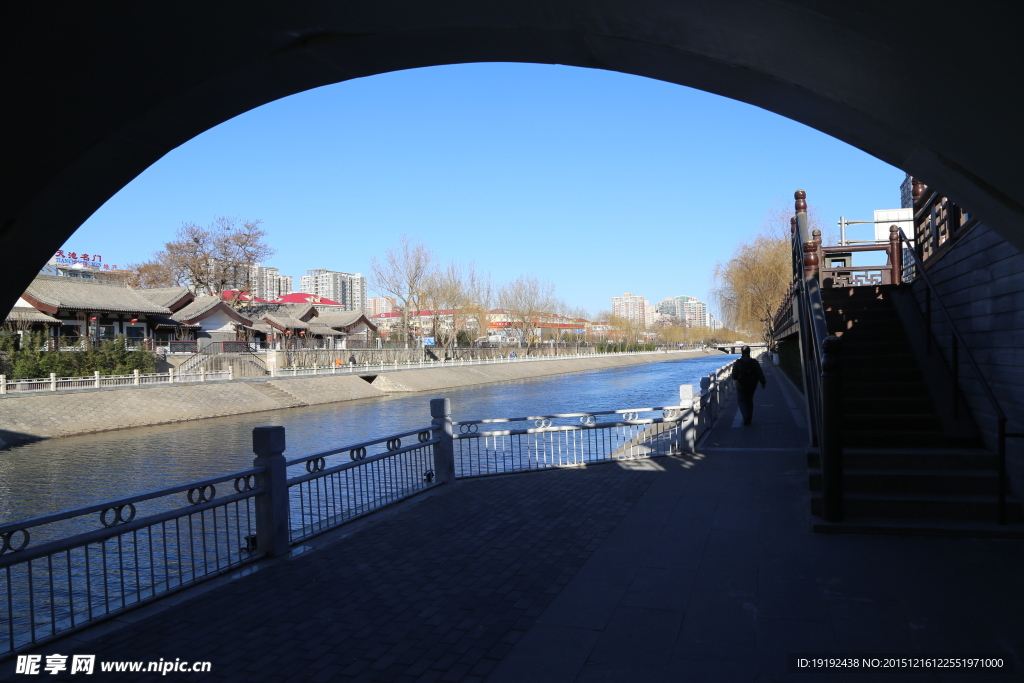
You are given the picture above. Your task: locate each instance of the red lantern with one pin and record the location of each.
(135, 320)
(93, 319)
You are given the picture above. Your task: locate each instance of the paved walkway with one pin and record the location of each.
(693, 568)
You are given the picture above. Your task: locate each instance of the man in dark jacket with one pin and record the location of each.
(747, 373)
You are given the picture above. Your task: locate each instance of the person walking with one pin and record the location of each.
(747, 372)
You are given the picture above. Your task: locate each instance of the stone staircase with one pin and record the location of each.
(909, 465)
(279, 396)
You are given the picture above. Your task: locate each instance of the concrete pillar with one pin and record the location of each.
(231, 371)
(3, 384)
(170, 376)
(53, 381)
(96, 380)
(136, 380)
(268, 443)
(687, 425)
(444, 452)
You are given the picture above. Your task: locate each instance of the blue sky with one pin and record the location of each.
(600, 182)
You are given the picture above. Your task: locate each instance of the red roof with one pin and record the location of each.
(302, 298)
(232, 294)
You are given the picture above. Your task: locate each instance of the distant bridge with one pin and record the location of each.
(755, 347)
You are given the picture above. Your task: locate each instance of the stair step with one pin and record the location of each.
(915, 482)
(888, 405)
(866, 389)
(920, 527)
(936, 507)
(854, 423)
(876, 375)
(904, 439)
(901, 459)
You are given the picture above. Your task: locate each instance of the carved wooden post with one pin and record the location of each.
(795, 242)
(917, 189)
(810, 259)
(831, 430)
(800, 205)
(895, 254)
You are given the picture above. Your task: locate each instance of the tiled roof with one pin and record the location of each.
(258, 311)
(164, 296)
(285, 322)
(72, 293)
(161, 322)
(338, 319)
(23, 314)
(201, 305)
(204, 305)
(301, 298)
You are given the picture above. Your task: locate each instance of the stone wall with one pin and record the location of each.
(31, 417)
(980, 278)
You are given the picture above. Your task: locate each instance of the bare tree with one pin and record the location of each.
(525, 299)
(447, 295)
(208, 259)
(480, 288)
(402, 274)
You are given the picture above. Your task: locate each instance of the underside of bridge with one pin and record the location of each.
(94, 93)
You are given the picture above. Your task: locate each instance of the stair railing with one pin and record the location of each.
(822, 365)
(957, 343)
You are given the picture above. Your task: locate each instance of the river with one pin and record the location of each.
(58, 474)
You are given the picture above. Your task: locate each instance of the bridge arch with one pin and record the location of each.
(97, 93)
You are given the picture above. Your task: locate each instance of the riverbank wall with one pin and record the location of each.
(30, 418)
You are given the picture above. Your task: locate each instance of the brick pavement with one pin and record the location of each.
(693, 568)
(439, 591)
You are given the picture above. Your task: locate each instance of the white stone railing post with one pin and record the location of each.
(96, 381)
(688, 425)
(3, 384)
(53, 381)
(170, 376)
(268, 443)
(202, 374)
(136, 380)
(444, 452)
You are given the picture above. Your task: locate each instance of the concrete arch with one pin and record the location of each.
(95, 93)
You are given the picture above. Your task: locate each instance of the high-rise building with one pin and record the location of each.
(268, 283)
(634, 308)
(687, 308)
(375, 305)
(348, 289)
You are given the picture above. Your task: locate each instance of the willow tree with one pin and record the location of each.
(751, 285)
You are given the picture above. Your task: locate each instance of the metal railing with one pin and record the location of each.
(573, 439)
(364, 368)
(64, 571)
(957, 343)
(821, 361)
(53, 383)
(348, 482)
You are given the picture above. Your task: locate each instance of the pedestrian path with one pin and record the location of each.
(692, 568)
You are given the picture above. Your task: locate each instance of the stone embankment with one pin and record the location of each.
(28, 418)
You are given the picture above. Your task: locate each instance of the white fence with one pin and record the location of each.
(10, 386)
(98, 381)
(357, 368)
